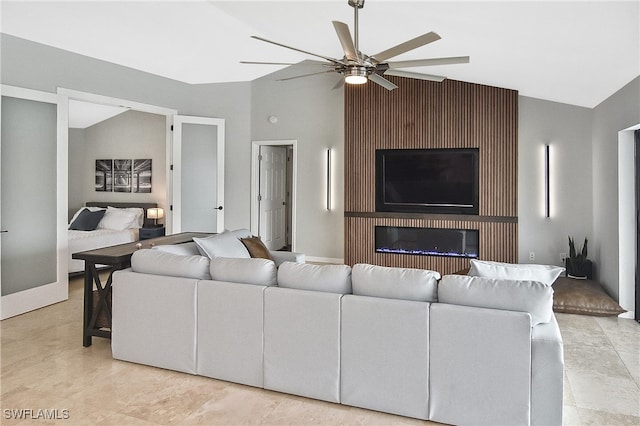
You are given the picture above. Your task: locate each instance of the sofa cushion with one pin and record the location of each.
(185, 249)
(256, 247)
(246, 271)
(533, 297)
(304, 276)
(545, 274)
(157, 262)
(225, 244)
(395, 283)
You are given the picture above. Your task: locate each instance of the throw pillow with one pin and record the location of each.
(395, 283)
(87, 220)
(256, 247)
(225, 244)
(245, 271)
(303, 276)
(545, 274)
(533, 297)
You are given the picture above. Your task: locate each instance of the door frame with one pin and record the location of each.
(176, 181)
(47, 294)
(255, 183)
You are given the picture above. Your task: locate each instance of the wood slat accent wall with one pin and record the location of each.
(424, 114)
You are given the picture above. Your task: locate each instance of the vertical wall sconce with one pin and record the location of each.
(547, 195)
(329, 179)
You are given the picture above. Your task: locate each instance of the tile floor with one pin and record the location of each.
(44, 366)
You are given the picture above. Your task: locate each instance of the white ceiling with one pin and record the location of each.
(576, 52)
(86, 114)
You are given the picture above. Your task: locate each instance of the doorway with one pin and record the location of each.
(637, 184)
(273, 193)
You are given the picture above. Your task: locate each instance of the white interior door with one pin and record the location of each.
(33, 196)
(198, 174)
(272, 197)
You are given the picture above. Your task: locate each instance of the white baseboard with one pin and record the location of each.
(33, 298)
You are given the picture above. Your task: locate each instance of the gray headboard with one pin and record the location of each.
(144, 206)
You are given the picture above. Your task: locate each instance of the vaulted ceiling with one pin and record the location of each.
(576, 52)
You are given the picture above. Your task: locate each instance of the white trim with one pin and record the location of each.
(627, 221)
(34, 298)
(176, 200)
(47, 294)
(255, 183)
(108, 100)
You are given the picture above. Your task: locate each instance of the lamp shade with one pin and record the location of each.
(155, 213)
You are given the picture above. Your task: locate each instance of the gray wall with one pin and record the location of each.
(77, 177)
(130, 135)
(313, 114)
(567, 130)
(36, 66)
(619, 111)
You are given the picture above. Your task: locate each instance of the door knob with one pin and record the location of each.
(219, 208)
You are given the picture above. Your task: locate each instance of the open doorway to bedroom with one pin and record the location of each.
(273, 193)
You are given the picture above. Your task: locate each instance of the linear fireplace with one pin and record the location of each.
(427, 241)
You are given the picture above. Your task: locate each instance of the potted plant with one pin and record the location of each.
(577, 265)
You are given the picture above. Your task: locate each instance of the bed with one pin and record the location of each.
(101, 224)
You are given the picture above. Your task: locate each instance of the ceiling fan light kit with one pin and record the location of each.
(358, 68)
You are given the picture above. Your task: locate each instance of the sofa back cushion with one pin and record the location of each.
(159, 262)
(395, 283)
(185, 249)
(225, 244)
(533, 297)
(255, 271)
(545, 274)
(304, 276)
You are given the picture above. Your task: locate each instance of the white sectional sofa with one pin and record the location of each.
(457, 350)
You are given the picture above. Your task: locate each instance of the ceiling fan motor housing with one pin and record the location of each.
(356, 3)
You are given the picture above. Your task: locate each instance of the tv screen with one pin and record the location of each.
(427, 180)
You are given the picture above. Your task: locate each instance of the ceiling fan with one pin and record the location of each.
(358, 68)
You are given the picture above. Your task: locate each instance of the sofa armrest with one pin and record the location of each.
(287, 256)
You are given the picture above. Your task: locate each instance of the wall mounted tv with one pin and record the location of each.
(427, 180)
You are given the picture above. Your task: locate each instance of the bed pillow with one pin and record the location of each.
(244, 271)
(304, 276)
(81, 209)
(395, 283)
(225, 244)
(545, 274)
(118, 219)
(87, 220)
(533, 297)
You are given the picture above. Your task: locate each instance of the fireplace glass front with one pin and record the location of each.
(427, 241)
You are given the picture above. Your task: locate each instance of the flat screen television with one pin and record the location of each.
(427, 180)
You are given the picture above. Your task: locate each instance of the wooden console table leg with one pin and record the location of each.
(88, 303)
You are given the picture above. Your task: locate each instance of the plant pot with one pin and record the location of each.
(586, 272)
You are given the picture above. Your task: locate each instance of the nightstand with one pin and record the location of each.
(147, 233)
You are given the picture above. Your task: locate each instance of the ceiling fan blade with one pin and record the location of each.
(382, 81)
(346, 41)
(304, 75)
(335, 61)
(429, 62)
(429, 77)
(427, 38)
